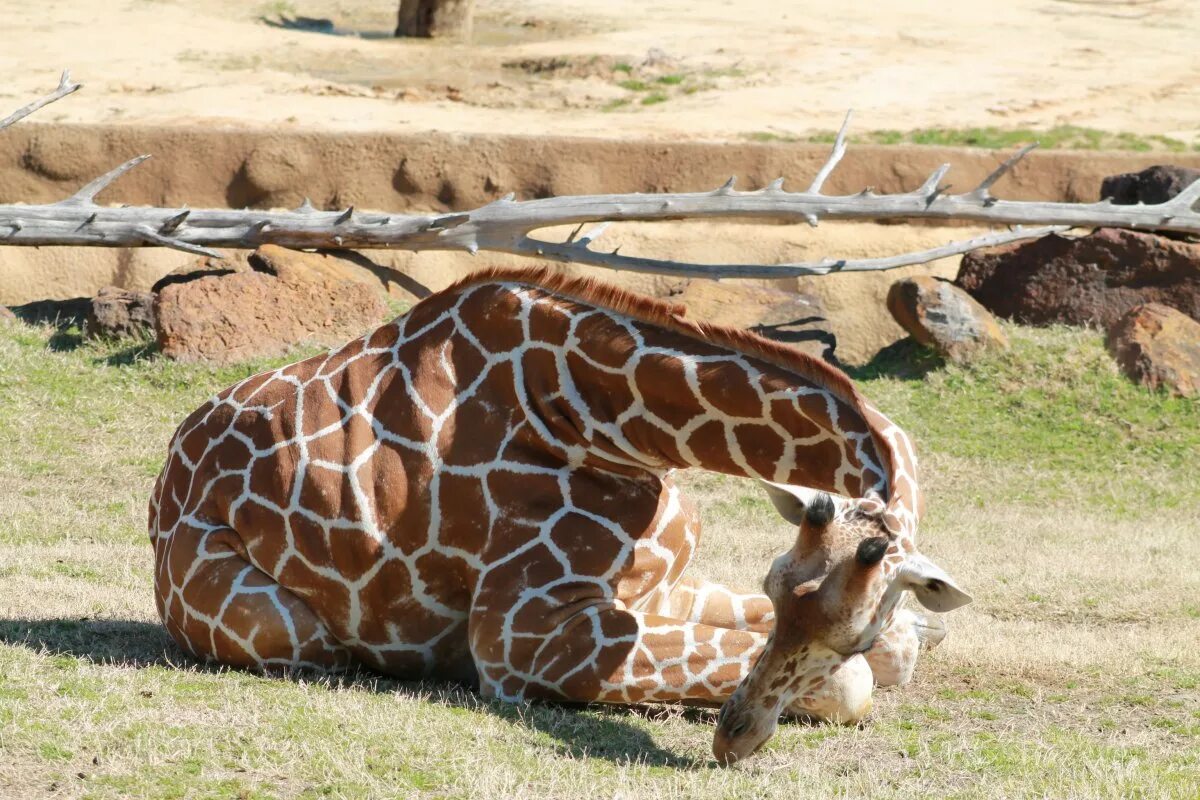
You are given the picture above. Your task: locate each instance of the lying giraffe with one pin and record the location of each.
(481, 490)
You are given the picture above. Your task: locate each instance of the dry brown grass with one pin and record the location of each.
(1076, 672)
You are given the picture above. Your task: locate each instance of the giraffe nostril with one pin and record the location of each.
(724, 715)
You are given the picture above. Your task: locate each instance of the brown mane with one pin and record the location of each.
(671, 316)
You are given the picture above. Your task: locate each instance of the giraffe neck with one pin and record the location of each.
(650, 394)
(904, 501)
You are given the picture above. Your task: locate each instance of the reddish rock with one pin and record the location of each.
(1158, 347)
(1090, 280)
(117, 312)
(939, 314)
(234, 316)
(795, 319)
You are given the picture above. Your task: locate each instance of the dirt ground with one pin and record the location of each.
(662, 69)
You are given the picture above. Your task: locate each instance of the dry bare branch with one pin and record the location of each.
(65, 87)
(507, 225)
(574, 253)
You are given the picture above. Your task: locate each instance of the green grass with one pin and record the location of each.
(1062, 137)
(634, 85)
(658, 88)
(1056, 405)
(1048, 476)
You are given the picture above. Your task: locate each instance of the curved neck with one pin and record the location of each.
(905, 503)
(666, 400)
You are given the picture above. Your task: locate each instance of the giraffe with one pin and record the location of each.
(483, 490)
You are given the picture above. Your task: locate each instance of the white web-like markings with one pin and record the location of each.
(711, 660)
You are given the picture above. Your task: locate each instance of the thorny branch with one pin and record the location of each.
(506, 225)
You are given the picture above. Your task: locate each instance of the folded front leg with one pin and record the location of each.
(695, 599)
(605, 653)
(893, 656)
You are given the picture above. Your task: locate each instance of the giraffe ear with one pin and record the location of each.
(790, 501)
(934, 589)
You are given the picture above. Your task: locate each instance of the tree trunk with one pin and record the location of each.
(434, 18)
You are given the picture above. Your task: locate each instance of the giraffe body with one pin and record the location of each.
(482, 490)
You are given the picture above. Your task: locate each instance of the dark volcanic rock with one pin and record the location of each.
(119, 312)
(1093, 279)
(1156, 184)
(1159, 347)
(939, 314)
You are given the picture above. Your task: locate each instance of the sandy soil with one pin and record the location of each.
(731, 68)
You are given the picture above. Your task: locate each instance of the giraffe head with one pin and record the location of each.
(833, 592)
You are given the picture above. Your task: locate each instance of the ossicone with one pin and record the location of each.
(871, 551)
(820, 511)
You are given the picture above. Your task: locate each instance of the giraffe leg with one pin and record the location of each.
(839, 697)
(893, 656)
(219, 607)
(695, 599)
(605, 653)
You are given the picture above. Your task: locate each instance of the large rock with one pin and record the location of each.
(795, 319)
(1092, 279)
(118, 312)
(939, 314)
(1159, 347)
(1156, 184)
(234, 316)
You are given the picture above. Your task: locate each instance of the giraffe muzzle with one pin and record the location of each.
(739, 734)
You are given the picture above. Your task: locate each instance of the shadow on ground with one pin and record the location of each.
(905, 360)
(59, 313)
(595, 731)
(321, 25)
(67, 318)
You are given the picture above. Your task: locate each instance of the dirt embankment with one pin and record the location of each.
(209, 166)
(223, 168)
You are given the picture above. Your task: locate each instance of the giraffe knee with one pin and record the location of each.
(845, 697)
(893, 657)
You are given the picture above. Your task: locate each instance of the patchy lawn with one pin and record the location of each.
(1063, 497)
